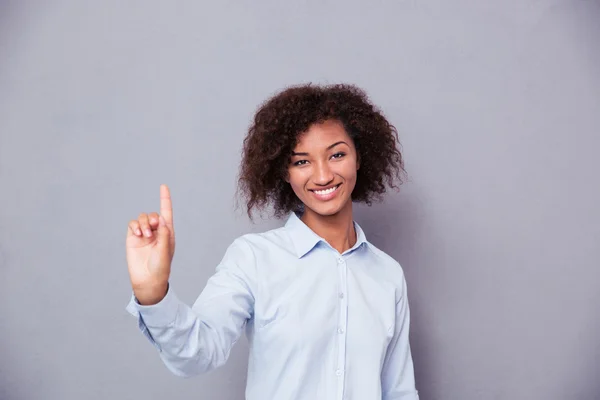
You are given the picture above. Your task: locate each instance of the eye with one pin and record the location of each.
(299, 163)
(338, 155)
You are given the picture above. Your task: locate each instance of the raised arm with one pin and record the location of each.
(197, 339)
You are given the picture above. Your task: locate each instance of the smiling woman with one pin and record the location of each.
(282, 128)
(325, 311)
(322, 174)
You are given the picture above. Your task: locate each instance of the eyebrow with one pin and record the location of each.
(328, 148)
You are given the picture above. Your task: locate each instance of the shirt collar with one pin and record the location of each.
(305, 239)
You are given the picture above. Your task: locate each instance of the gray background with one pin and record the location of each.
(497, 227)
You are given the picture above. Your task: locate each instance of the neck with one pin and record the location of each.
(338, 229)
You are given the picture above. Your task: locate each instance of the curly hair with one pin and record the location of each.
(277, 126)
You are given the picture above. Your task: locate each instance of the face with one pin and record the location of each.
(322, 171)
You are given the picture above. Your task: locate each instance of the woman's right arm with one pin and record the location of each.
(190, 340)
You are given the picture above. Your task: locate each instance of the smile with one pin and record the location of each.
(326, 194)
(327, 191)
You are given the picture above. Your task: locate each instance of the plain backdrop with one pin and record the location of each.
(497, 225)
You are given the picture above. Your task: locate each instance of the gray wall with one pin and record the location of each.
(498, 227)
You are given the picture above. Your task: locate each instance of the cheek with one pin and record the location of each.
(295, 188)
(349, 171)
(296, 181)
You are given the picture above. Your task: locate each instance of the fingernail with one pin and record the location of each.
(148, 232)
(138, 232)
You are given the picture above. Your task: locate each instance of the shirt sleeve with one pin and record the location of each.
(397, 376)
(198, 339)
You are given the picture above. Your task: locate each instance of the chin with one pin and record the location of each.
(325, 210)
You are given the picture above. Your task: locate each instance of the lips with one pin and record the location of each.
(326, 193)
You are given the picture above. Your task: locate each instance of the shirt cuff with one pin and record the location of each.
(158, 315)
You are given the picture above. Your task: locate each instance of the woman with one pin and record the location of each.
(325, 311)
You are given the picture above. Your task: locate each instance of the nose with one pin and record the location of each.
(323, 174)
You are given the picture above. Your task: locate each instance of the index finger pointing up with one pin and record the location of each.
(166, 207)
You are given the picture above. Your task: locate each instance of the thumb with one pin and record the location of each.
(163, 233)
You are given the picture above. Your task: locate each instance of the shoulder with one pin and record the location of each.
(389, 265)
(248, 250)
(265, 241)
(385, 259)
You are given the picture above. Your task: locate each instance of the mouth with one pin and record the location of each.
(326, 193)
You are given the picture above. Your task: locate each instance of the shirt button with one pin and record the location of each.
(338, 372)
(341, 295)
(340, 260)
(340, 331)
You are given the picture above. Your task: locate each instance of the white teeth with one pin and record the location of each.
(330, 190)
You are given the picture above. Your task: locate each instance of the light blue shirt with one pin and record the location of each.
(320, 324)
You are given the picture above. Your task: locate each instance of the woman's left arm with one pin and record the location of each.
(397, 376)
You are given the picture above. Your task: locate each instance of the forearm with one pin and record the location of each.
(198, 339)
(410, 395)
(187, 345)
(398, 379)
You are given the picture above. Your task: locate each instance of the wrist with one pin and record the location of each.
(150, 296)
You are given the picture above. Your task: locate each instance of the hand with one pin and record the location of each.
(150, 246)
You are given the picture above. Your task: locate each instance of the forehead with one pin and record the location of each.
(322, 135)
